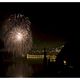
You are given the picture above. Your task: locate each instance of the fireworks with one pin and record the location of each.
(17, 34)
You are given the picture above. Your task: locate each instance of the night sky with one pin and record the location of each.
(51, 22)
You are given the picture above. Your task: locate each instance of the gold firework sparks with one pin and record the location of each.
(17, 34)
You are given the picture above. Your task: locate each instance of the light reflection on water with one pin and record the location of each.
(19, 69)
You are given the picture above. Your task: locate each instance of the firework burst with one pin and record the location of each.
(17, 34)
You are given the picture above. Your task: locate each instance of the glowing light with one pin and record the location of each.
(17, 34)
(64, 62)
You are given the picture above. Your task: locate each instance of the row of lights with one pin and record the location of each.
(52, 57)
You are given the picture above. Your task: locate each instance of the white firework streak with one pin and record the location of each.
(17, 34)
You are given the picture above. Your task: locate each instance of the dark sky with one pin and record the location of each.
(50, 21)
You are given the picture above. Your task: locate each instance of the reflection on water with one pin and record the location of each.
(19, 69)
